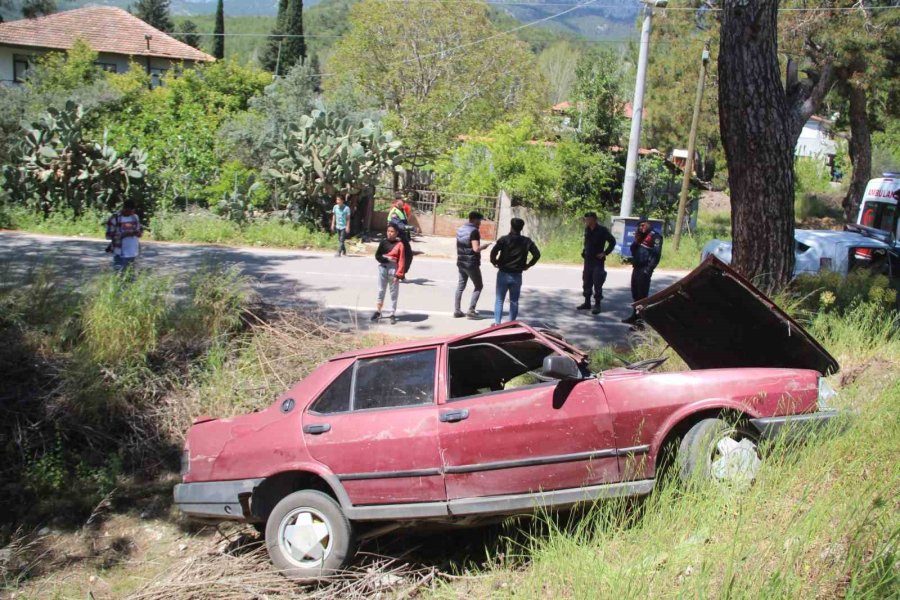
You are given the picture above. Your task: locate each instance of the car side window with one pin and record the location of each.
(485, 367)
(336, 397)
(397, 380)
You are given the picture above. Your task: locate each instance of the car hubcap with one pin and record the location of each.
(305, 537)
(735, 461)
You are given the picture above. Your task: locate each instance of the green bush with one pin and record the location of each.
(827, 292)
(219, 296)
(123, 317)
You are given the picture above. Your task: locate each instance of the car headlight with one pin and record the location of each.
(826, 395)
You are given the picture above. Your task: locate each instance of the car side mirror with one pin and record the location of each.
(561, 367)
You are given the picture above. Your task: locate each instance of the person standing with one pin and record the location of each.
(510, 256)
(598, 243)
(397, 216)
(340, 223)
(646, 250)
(468, 263)
(391, 270)
(124, 230)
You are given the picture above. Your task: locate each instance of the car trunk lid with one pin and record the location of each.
(714, 318)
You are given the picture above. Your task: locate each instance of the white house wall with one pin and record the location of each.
(814, 141)
(121, 61)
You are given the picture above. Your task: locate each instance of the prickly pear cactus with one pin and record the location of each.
(321, 156)
(59, 169)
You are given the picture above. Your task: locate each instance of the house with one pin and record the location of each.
(118, 37)
(816, 140)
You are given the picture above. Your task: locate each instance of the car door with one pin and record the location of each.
(512, 433)
(375, 427)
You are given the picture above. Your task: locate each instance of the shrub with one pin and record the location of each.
(826, 291)
(123, 317)
(219, 296)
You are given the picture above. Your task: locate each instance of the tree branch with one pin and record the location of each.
(809, 98)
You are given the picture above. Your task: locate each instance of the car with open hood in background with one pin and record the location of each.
(506, 420)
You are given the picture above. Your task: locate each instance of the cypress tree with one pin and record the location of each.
(269, 58)
(293, 50)
(219, 38)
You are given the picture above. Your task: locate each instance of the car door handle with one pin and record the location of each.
(452, 416)
(316, 429)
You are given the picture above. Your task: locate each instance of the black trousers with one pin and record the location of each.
(592, 279)
(640, 283)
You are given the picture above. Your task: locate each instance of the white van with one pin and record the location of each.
(879, 204)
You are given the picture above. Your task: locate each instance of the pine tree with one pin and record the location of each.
(293, 50)
(155, 13)
(269, 60)
(189, 34)
(219, 38)
(37, 8)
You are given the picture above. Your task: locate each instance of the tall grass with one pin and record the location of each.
(123, 317)
(204, 227)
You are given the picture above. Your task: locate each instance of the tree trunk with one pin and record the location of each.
(860, 149)
(757, 132)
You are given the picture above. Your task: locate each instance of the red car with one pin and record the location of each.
(504, 420)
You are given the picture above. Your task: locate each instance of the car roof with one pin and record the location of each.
(818, 237)
(504, 330)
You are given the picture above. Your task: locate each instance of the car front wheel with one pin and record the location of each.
(716, 450)
(308, 535)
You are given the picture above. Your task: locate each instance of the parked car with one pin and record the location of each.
(505, 420)
(838, 251)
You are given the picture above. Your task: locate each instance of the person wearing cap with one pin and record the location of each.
(598, 243)
(646, 250)
(468, 263)
(510, 256)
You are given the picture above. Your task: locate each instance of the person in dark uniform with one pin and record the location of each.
(468, 263)
(646, 250)
(598, 243)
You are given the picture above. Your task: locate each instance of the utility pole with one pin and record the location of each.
(637, 108)
(692, 143)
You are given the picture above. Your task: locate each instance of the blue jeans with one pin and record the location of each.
(512, 283)
(120, 263)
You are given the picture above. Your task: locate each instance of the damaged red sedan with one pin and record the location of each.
(506, 420)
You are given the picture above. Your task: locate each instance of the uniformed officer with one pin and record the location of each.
(646, 250)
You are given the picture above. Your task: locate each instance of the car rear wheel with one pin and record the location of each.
(308, 535)
(714, 449)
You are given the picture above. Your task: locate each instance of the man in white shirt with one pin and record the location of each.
(123, 230)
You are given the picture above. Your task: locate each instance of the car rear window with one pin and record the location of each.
(396, 380)
(336, 397)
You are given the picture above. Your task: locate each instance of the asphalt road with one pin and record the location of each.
(343, 289)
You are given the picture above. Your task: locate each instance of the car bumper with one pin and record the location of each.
(793, 427)
(216, 499)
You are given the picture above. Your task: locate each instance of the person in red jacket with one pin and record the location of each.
(391, 257)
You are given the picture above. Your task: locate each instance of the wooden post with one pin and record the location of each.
(692, 142)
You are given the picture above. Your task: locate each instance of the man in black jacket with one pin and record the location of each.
(510, 256)
(646, 250)
(468, 263)
(598, 243)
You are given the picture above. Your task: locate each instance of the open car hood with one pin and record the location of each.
(714, 318)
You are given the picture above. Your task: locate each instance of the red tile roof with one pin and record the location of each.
(104, 28)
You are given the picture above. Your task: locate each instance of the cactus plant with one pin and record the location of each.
(321, 156)
(59, 169)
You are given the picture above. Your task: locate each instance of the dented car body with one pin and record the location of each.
(496, 422)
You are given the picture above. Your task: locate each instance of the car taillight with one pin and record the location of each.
(826, 395)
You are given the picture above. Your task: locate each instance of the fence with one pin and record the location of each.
(442, 213)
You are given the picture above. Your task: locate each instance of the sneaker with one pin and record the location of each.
(585, 306)
(596, 309)
(376, 316)
(393, 319)
(473, 314)
(458, 314)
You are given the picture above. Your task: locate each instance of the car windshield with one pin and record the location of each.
(480, 367)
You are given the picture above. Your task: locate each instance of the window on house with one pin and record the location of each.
(156, 77)
(108, 67)
(21, 65)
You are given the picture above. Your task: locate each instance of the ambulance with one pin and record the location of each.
(878, 209)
